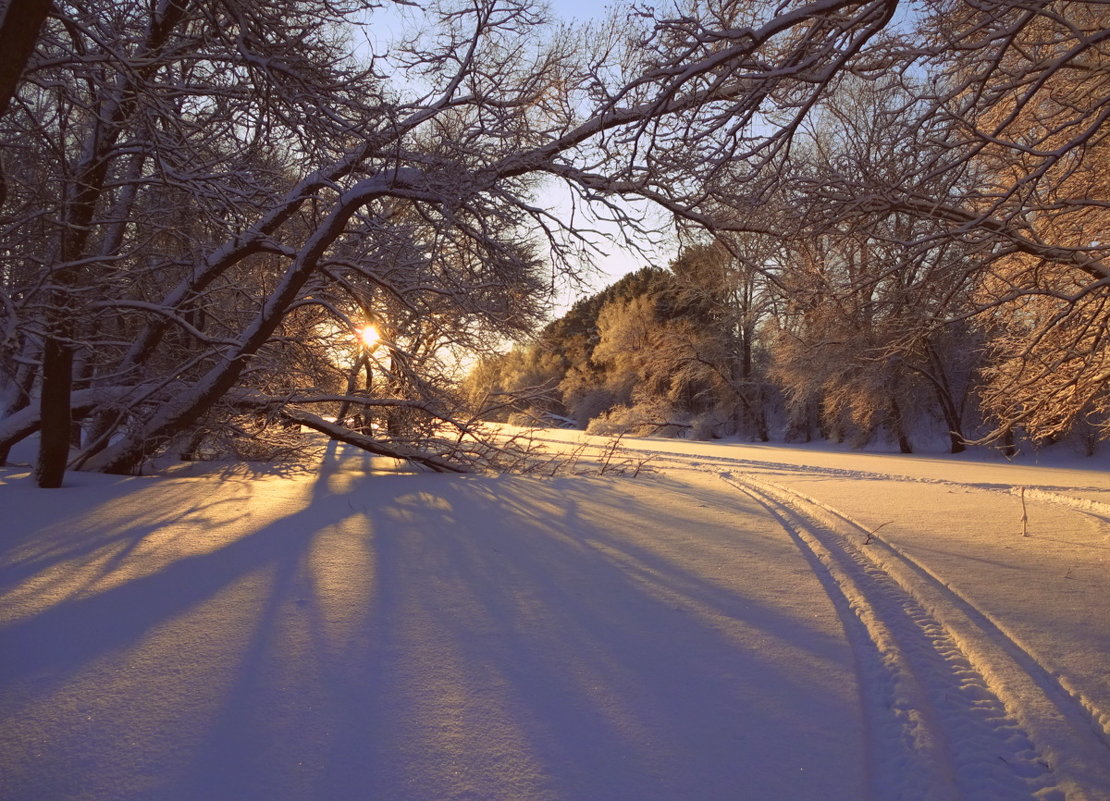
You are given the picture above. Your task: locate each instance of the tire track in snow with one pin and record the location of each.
(954, 708)
(1087, 714)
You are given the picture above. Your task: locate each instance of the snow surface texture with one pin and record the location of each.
(742, 622)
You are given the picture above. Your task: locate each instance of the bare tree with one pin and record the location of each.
(210, 194)
(992, 187)
(871, 323)
(727, 282)
(972, 193)
(302, 174)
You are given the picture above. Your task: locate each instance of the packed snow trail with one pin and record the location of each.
(949, 699)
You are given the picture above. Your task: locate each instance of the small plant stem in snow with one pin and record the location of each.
(612, 449)
(1024, 515)
(873, 531)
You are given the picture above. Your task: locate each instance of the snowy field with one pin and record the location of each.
(738, 622)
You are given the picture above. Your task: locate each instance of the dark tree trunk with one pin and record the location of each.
(942, 390)
(957, 443)
(18, 32)
(748, 414)
(82, 198)
(54, 435)
(361, 361)
(899, 426)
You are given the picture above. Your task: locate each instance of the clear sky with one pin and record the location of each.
(578, 9)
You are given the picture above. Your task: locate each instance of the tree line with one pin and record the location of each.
(899, 278)
(705, 349)
(204, 200)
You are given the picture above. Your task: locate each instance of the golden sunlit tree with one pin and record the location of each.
(1044, 164)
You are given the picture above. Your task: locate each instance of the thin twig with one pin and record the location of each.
(872, 532)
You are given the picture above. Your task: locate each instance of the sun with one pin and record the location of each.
(370, 336)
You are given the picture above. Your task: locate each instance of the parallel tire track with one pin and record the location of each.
(954, 709)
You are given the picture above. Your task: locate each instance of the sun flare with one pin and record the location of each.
(370, 336)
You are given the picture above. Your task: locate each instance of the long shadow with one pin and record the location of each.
(246, 587)
(135, 607)
(617, 672)
(92, 525)
(288, 691)
(502, 641)
(141, 604)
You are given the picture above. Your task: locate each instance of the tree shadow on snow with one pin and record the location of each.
(428, 637)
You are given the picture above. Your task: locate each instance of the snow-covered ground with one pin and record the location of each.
(739, 622)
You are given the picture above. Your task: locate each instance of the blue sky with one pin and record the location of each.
(578, 9)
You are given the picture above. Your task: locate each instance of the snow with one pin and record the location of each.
(742, 621)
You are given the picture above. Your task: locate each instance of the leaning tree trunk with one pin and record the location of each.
(898, 423)
(942, 390)
(24, 381)
(19, 29)
(180, 414)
